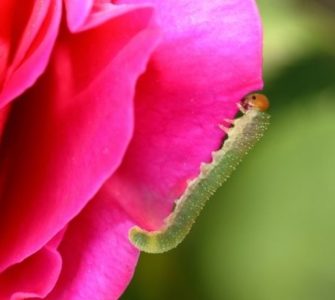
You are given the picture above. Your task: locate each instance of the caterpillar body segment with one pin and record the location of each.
(241, 137)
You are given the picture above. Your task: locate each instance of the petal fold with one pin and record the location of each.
(68, 134)
(36, 276)
(98, 260)
(84, 15)
(76, 12)
(32, 48)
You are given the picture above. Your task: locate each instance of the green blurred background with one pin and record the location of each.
(269, 233)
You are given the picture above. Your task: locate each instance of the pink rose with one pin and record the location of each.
(106, 111)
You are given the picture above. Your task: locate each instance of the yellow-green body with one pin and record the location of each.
(242, 136)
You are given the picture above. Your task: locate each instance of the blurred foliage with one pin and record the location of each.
(269, 233)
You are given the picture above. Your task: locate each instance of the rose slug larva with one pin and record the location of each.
(241, 137)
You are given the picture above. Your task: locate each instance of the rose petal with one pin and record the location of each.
(34, 277)
(32, 53)
(210, 57)
(98, 260)
(69, 132)
(83, 16)
(77, 12)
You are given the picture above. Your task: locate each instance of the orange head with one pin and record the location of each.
(256, 101)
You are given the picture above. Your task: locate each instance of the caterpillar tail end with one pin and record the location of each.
(159, 241)
(144, 240)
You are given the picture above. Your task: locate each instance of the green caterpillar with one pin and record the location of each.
(242, 136)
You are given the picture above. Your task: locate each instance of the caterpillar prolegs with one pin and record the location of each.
(241, 137)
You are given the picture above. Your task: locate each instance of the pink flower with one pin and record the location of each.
(107, 109)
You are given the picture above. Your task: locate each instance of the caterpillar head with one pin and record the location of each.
(255, 101)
